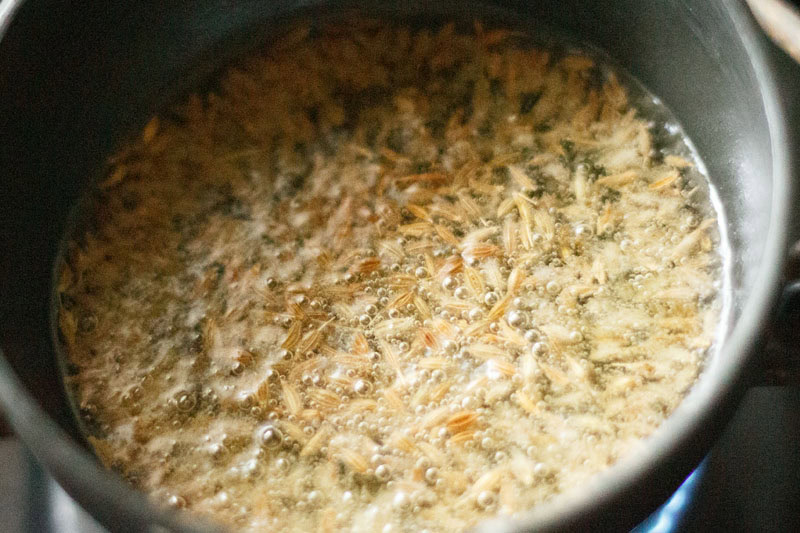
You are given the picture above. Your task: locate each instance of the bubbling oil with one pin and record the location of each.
(391, 278)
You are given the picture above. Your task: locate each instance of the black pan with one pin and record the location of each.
(77, 77)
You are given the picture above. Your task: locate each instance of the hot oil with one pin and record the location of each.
(407, 296)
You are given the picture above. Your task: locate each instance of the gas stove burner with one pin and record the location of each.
(672, 515)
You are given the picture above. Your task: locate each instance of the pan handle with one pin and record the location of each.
(788, 307)
(781, 21)
(782, 347)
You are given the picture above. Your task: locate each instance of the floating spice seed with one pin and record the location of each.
(297, 311)
(461, 421)
(314, 444)
(370, 264)
(312, 339)
(618, 180)
(353, 460)
(499, 308)
(419, 212)
(474, 281)
(459, 439)
(325, 398)
(291, 398)
(432, 363)
(360, 344)
(446, 235)
(401, 300)
(293, 336)
(429, 339)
